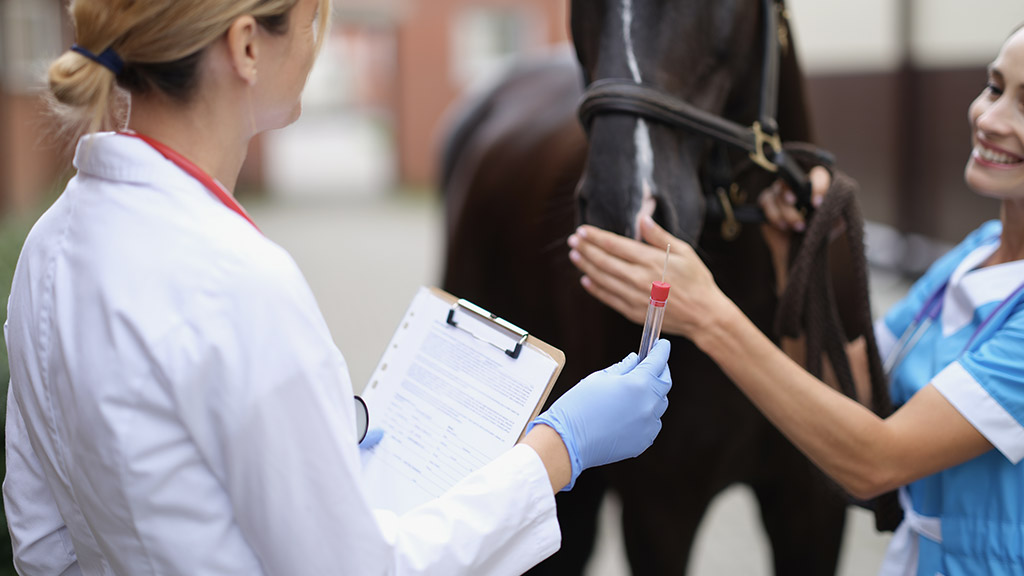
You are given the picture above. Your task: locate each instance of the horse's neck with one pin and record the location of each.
(794, 116)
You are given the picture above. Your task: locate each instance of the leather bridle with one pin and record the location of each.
(760, 140)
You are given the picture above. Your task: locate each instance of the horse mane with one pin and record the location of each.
(794, 114)
(465, 115)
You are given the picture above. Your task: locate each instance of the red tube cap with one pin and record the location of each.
(659, 291)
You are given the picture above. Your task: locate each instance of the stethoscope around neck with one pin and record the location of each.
(362, 418)
(920, 324)
(926, 317)
(218, 190)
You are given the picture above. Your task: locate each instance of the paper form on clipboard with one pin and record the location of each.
(450, 397)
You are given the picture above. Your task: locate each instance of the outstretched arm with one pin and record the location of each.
(618, 270)
(865, 454)
(862, 452)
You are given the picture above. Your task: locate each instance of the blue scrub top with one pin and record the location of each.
(980, 503)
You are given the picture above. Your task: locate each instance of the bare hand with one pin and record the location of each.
(782, 218)
(618, 271)
(779, 202)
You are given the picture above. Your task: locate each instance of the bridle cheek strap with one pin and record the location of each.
(760, 140)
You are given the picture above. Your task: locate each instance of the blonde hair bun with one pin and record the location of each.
(83, 90)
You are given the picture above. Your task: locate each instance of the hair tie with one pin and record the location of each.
(108, 58)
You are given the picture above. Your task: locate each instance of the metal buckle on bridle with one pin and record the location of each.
(782, 27)
(760, 140)
(730, 225)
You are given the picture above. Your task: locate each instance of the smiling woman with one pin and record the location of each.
(996, 166)
(955, 444)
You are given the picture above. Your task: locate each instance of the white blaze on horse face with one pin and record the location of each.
(641, 136)
(644, 172)
(627, 37)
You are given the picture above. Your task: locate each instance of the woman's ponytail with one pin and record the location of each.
(84, 93)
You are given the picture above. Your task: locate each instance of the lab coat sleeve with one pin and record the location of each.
(38, 534)
(279, 414)
(295, 483)
(480, 522)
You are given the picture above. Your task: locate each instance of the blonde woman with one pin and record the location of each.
(176, 404)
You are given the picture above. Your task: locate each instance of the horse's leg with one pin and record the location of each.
(659, 534)
(577, 517)
(803, 514)
(703, 446)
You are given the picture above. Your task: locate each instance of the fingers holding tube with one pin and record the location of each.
(656, 366)
(610, 416)
(625, 365)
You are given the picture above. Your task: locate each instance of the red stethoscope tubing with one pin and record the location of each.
(215, 188)
(218, 190)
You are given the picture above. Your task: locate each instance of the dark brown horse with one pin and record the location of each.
(520, 173)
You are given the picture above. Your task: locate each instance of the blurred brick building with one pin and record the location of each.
(444, 47)
(31, 31)
(407, 59)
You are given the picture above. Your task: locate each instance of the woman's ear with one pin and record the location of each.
(242, 47)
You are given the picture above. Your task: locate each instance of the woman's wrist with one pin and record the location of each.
(717, 330)
(547, 443)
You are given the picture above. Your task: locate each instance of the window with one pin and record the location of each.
(484, 39)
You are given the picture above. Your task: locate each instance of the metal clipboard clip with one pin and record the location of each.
(500, 322)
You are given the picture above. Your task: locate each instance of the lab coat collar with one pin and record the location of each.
(122, 158)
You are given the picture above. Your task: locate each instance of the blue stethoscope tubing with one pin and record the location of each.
(918, 326)
(924, 319)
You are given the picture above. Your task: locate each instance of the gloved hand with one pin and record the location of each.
(370, 441)
(612, 414)
(372, 438)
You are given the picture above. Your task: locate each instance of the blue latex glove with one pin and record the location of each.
(613, 414)
(372, 438)
(370, 441)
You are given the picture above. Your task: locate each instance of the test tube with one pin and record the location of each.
(655, 314)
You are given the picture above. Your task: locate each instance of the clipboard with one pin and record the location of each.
(454, 389)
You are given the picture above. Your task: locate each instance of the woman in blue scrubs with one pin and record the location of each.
(955, 345)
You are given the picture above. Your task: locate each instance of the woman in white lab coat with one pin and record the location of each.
(176, 404)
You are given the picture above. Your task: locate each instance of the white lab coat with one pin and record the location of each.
(177, 404)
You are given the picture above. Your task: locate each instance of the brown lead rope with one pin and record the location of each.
(808, 308)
